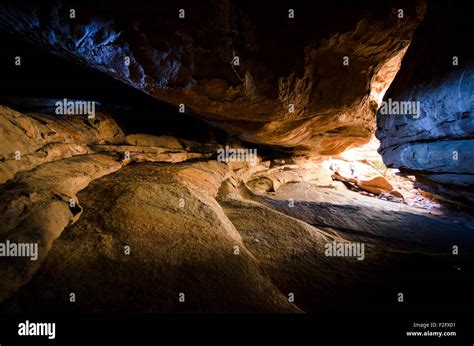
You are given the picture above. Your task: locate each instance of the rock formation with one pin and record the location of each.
(46, 160)
(311, 82)
(438, 72)
(131, 217)
(224, 234)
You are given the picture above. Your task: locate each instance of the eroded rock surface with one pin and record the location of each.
(151, 232)
(37, 205)
(438, 72)
(27, 141)
(180, 242)
(143, 222)
(231, 237)
(45, 161)
(282, 61)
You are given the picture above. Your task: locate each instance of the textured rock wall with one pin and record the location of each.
(45, 160)
(437, 144)
(282, 61)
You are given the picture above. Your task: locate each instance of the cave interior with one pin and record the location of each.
(146, 205)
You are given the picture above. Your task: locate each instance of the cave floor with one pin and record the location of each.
(144, 223)
(148, 232)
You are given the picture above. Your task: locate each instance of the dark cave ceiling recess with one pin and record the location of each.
(311, 82)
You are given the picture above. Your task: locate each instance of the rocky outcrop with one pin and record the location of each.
(126, 225)
(179, 241)
(28, 141)
(311, 82)
(325, 204)
(437, 74)
(46, 160)
(36, 207)
(194, 237)
(145, 220)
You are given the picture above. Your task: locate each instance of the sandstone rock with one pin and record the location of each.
(191, 62)
(381, 221)
(437, 144)
(181, 224)
(180, 242)
(27, 141)
(36, 207)
(236, 236)
(283, 245)
(147, 153)
(153, 141)
(271, 180)
(47, 153)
